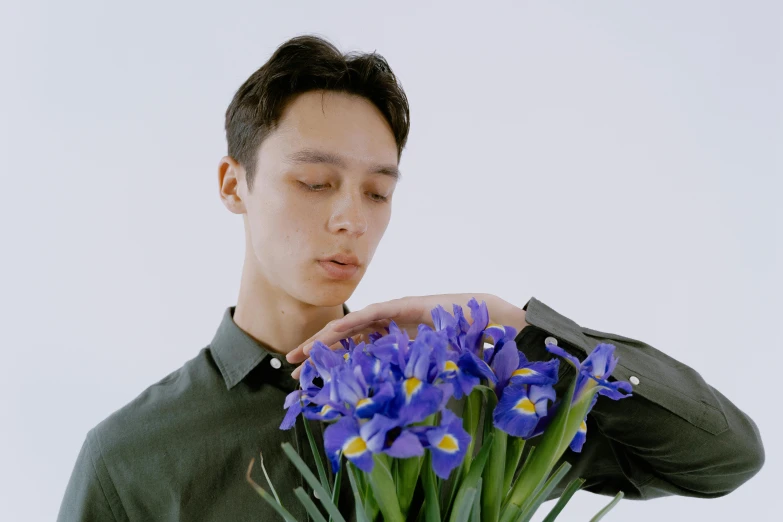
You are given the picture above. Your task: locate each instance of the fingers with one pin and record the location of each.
(357, 334)
(295, 355)
(329, 334)
(330, 337)
(356, 338)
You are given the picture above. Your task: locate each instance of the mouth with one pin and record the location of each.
(337, 270)
(342, 259)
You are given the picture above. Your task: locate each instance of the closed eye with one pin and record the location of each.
(320, 187)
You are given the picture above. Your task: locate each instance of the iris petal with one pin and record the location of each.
(343, 437)
(579, 438)
(504, 362)
(448, 444)
(480, 316)
(518, 413)
(405, 445)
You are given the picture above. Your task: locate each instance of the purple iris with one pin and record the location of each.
(594, 371)
(297, 400)
(356, 394)
(520, 408)
(450, 366)
(447, 443)
(416, 397)
(474, 337)
(460, 363)
(375, 395)
(358, 442)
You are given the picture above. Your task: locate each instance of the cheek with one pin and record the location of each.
(291, 229)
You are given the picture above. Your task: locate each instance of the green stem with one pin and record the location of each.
(317, 457)
(491, 494)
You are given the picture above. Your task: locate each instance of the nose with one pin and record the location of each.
(348, 214)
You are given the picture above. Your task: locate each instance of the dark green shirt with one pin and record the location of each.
(181, 449)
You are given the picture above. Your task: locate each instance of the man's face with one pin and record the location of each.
(303, 209)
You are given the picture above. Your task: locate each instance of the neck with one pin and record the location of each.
(270, 315)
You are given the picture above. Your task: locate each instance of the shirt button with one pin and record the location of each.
(550, 340)
(634, 379)
(275, 363)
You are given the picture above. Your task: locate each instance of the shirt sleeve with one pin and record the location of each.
(677, 435)
(89, 489)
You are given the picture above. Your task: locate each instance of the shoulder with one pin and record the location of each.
(160, 410)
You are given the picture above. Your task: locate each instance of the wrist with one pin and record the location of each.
(505, 313)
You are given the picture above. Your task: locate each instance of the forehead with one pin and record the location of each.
(335, 128)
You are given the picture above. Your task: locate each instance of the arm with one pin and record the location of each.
(676, 436)
(86, 495)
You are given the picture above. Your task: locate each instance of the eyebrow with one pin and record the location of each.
(308, 155)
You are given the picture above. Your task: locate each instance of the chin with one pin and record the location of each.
(327, 294)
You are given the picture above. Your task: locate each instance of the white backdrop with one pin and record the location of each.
(626, 154)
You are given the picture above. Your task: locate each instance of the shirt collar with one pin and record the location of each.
(237, 353)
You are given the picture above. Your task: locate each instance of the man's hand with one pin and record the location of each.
(407, 313)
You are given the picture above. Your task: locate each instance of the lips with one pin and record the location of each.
(338, 271)
(343, 259)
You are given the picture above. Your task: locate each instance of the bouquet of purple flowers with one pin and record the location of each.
(391, 432)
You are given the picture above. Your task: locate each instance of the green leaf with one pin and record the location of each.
(482, 398)
(475, 512)
(384, 491)
(510, 514)
(524, 466)
(515, 447)
(575, 418)
(317, 457)
(309, 505)
(406, 479)
(268, 481)
(283, 512)
(464, 503)
(431, 503)
(489, 407)
(474, 475)
(275, 503)
(608, 507)
(336, 490)
(470, 421)
(531, 506)
(538, 467)
(323, 496)
(492, 495)
(569, 491)
(371, 507)
(361, 516)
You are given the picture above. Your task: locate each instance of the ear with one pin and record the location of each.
(231, 183)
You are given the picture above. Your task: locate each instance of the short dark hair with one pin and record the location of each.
(306, 63)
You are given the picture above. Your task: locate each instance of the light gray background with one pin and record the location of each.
(620, 161)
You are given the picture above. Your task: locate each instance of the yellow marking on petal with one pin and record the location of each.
(450, 366)
(362, 402)
(345, 356)
(412, 385)
(325, 409)
(448, 443)
(354, 447)
(524, 372)
(525, 405)
(583, 427)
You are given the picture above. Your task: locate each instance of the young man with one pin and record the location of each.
(314, 143)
